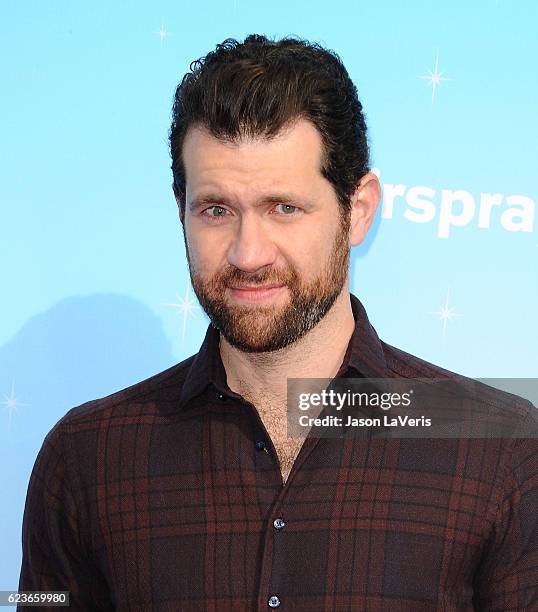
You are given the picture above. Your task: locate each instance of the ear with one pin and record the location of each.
(364, 202)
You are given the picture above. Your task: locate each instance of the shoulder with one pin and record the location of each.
(497, 411)
(410, 366)
(145, 396)
(406, 365)
(123, 419)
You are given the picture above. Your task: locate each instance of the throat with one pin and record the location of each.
(274, 419)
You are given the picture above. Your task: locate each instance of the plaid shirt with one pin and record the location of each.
(168, 495)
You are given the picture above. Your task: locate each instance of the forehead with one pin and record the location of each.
(293, 157)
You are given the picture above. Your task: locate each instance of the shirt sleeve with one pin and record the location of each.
(53, 556)
(508, 576)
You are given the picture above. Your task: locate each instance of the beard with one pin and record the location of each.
(256, 328)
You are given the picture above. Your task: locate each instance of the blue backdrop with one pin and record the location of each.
(95, 291)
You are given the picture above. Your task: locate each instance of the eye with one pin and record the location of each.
(288, 209)
(221, 212)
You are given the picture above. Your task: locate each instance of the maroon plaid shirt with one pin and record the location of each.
(168, 495)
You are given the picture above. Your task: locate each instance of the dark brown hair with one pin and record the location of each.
(259, 87)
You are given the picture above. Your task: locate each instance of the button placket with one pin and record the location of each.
(260, 445)
(278, 523)
(273, 601)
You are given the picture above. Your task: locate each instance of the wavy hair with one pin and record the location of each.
(258, 87)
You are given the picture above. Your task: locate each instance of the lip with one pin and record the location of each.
(255, 287)
(255, 293)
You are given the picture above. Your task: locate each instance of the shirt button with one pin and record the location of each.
(278, 523)
(260, 444)
(274, 601)
(221, 396)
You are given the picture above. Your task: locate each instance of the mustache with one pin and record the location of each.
(265, 277)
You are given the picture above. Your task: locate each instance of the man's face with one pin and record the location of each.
(260, 213)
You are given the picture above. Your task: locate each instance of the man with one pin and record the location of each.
(183, 491)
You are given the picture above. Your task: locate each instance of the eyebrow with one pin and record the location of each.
(215, 199)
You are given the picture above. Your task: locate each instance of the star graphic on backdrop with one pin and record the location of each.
(11, 403)
(162, 34)
(446, 313)
(435, 77)
(186, 306)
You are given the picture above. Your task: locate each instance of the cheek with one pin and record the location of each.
(303, 260)
(205, 259)
(316, 260)
(310, 249)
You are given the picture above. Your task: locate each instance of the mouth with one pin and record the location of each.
(255, 293)
(255, 287)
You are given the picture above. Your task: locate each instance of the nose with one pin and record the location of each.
(252, 246)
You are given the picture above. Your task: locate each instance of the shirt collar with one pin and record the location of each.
(364, 357)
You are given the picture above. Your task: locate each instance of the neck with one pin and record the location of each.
(318, 354)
